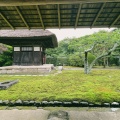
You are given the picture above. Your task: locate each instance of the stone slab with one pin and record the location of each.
(24, 114)
(7, 84)
(76, 115)
(40, 114)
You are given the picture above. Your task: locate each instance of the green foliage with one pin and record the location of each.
(75, 60)
(91, 57)
(99, 86)
(6, 56)
(62, 61)
(71, 48)
(51, 60)
(57, 60)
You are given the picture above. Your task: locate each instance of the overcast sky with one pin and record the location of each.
(70, 33)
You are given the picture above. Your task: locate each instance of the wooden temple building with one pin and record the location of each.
(28, 50)
(28, 45)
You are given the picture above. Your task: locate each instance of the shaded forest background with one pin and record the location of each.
(6, 55)
(70, 51)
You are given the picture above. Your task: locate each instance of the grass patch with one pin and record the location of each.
(99, 86)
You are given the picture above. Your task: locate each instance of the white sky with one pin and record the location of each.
(70, 33)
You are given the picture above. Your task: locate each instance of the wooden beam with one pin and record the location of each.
(59, 16)
(98, 14)
(6, 20)
(67, 27)
(62, 27)
(44, 2)
(22, 17)
(78, 14)
(115, 20)
(40, 16)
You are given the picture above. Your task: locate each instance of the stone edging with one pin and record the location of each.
(57, 104)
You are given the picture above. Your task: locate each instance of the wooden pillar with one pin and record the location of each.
(44, 56)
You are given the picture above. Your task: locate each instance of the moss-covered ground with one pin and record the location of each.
(99, 86)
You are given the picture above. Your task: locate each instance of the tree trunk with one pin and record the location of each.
(107, 62)
(119, 61)
(104, 62)
(87, 68)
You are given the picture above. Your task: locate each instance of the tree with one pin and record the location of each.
(6, 56)
(104, 53)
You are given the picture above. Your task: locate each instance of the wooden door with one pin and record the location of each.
(27, 58)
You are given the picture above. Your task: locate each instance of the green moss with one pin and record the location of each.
(99, 86)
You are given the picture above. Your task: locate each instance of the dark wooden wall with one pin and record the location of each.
(28, 58)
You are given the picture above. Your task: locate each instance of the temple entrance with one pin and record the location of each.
(27, 55)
